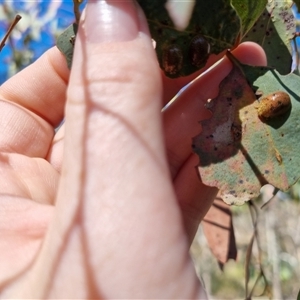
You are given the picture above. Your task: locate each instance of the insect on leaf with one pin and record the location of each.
(214, 26)
(240, 152)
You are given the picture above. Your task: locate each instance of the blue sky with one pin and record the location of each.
(42, 36)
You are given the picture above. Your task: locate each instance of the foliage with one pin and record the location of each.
(269, 23)
(249, 12)
(274, 30)
(190, 52)
(256, 155)
(252, 151)
(262, 153)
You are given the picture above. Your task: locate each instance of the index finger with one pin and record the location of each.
(41, 87)
(32, 105)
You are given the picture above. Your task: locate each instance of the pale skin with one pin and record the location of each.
(108, 206)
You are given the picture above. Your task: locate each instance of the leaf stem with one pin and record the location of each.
(235, 61)
(11, 27)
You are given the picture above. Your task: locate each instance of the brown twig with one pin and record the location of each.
(11, 27)
(76, 9)
(254, 212)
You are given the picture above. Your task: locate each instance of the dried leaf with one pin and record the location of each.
(218, 229)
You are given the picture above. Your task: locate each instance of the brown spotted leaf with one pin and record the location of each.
(249, 11)
(274, 31)
(238, 151)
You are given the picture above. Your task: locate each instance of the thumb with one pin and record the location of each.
(116, 199)
(108, 102)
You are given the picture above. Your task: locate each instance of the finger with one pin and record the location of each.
(23, 224)
(181, 119)
(116, 198)
(193, 196)
(41, 87)
(55, 154)
(31, 104)
(171, 87)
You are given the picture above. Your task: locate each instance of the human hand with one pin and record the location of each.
(107, 206)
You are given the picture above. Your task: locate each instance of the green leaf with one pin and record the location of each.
(238, 151)
(65, 43)
(298, 296)
(249, 11)
(274, 31)
(180, 52)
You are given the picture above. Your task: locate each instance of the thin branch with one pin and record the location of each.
(76, 9)
(254, 213)
(10, 29)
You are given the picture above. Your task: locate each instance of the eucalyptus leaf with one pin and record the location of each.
(274, 31)
(214, 27)
(65, 43)
(239, 152)
(249, 11)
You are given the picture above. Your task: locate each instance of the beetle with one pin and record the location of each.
(273, 105)
(172, 59)
(199, 51)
